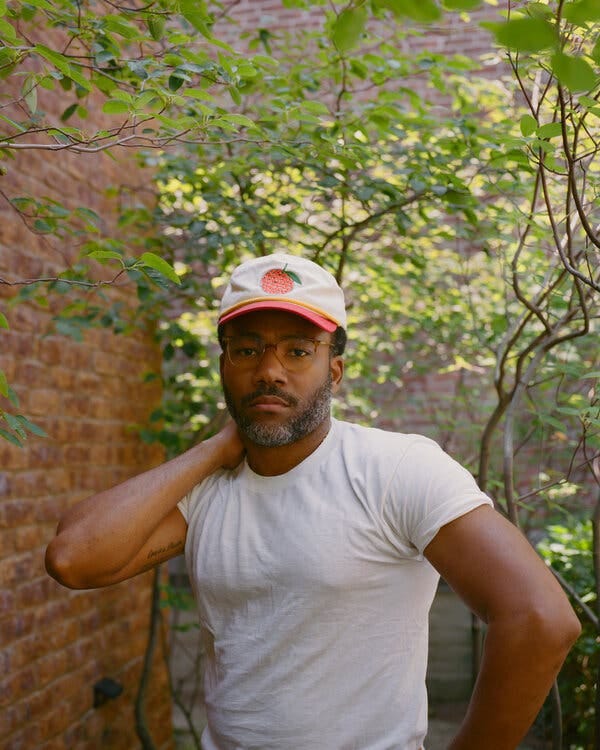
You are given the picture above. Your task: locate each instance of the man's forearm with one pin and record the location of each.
(521, 660)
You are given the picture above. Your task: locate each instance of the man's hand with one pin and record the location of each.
(229, 443)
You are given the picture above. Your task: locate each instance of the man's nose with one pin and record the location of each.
(269, 368)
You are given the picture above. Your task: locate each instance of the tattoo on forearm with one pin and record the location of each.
(168, 550)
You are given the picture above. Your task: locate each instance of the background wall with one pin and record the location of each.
(55, 644)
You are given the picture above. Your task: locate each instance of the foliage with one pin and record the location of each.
(387, 166)
(568, 548)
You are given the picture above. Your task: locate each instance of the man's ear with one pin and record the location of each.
(336, 368)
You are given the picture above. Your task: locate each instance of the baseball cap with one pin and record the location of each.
(285, 282)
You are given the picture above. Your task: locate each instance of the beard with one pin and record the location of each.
(311, 413)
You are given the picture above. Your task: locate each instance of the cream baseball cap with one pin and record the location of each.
(285, 282)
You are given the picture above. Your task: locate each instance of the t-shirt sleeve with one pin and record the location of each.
(184, 506)
(191, 504)
(428, 490)
(190, 501)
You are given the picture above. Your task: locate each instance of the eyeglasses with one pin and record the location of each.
(293, 352)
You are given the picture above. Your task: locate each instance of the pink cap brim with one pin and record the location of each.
(319, 320)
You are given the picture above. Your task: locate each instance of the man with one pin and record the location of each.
(314, 548)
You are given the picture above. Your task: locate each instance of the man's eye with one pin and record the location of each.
(298, 349)
(244, 351)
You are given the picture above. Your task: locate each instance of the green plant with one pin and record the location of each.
(567, 547)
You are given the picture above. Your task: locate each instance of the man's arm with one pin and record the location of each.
(123, 531)
(530, 624)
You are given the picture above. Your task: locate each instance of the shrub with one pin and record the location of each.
(569, 551)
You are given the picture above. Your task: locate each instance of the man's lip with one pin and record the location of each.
(268, 401)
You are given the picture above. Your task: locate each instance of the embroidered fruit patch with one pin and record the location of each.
(279, 281)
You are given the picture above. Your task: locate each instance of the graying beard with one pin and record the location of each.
(275, 436)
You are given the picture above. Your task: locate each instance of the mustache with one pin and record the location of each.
(271, 390)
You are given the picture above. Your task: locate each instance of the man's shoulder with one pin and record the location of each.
(383, 443)
(367, 434)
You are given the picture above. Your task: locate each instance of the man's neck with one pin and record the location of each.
(270, 462)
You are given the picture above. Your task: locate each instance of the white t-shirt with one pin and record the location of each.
(314, 594)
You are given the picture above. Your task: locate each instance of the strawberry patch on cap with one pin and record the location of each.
(279, 281)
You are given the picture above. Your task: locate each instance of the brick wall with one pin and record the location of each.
(56, 644)
(453, 34)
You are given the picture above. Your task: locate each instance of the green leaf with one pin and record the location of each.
(146, 99)
(239, 120)
(525, 34)
(550, 130)
(595, 53)
(101, 255)
(29, 92)
(348, 28)
(176, 82)
(43, 4)
(235, 94)
(43, 226)
(7, 32)
(62, 64)
(528, 125)
(69, 111)
(11, 438)
(15, 424)
(581, 13)
(265, 60)
(418, 10)
(315, 108)
(573, 72)
(3, 385)
(31, 427)
(160, 264)
(3, 324)
(118, 25)
(115, 107)
(195, 12)
(13, 398)
(156, 27)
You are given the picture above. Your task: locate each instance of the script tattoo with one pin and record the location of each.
(167, 550)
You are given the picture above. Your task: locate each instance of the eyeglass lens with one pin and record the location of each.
(293, 352)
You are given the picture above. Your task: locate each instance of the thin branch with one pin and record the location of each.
(571, 175)
(72, 282)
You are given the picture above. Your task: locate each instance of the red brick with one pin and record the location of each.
(27, 650)
(30, 484)
(32, 593)
(14, 625)
(16, 685)
(50, 667)
(17, 568)
(43, 401)
(27, 738)
(11, 455)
